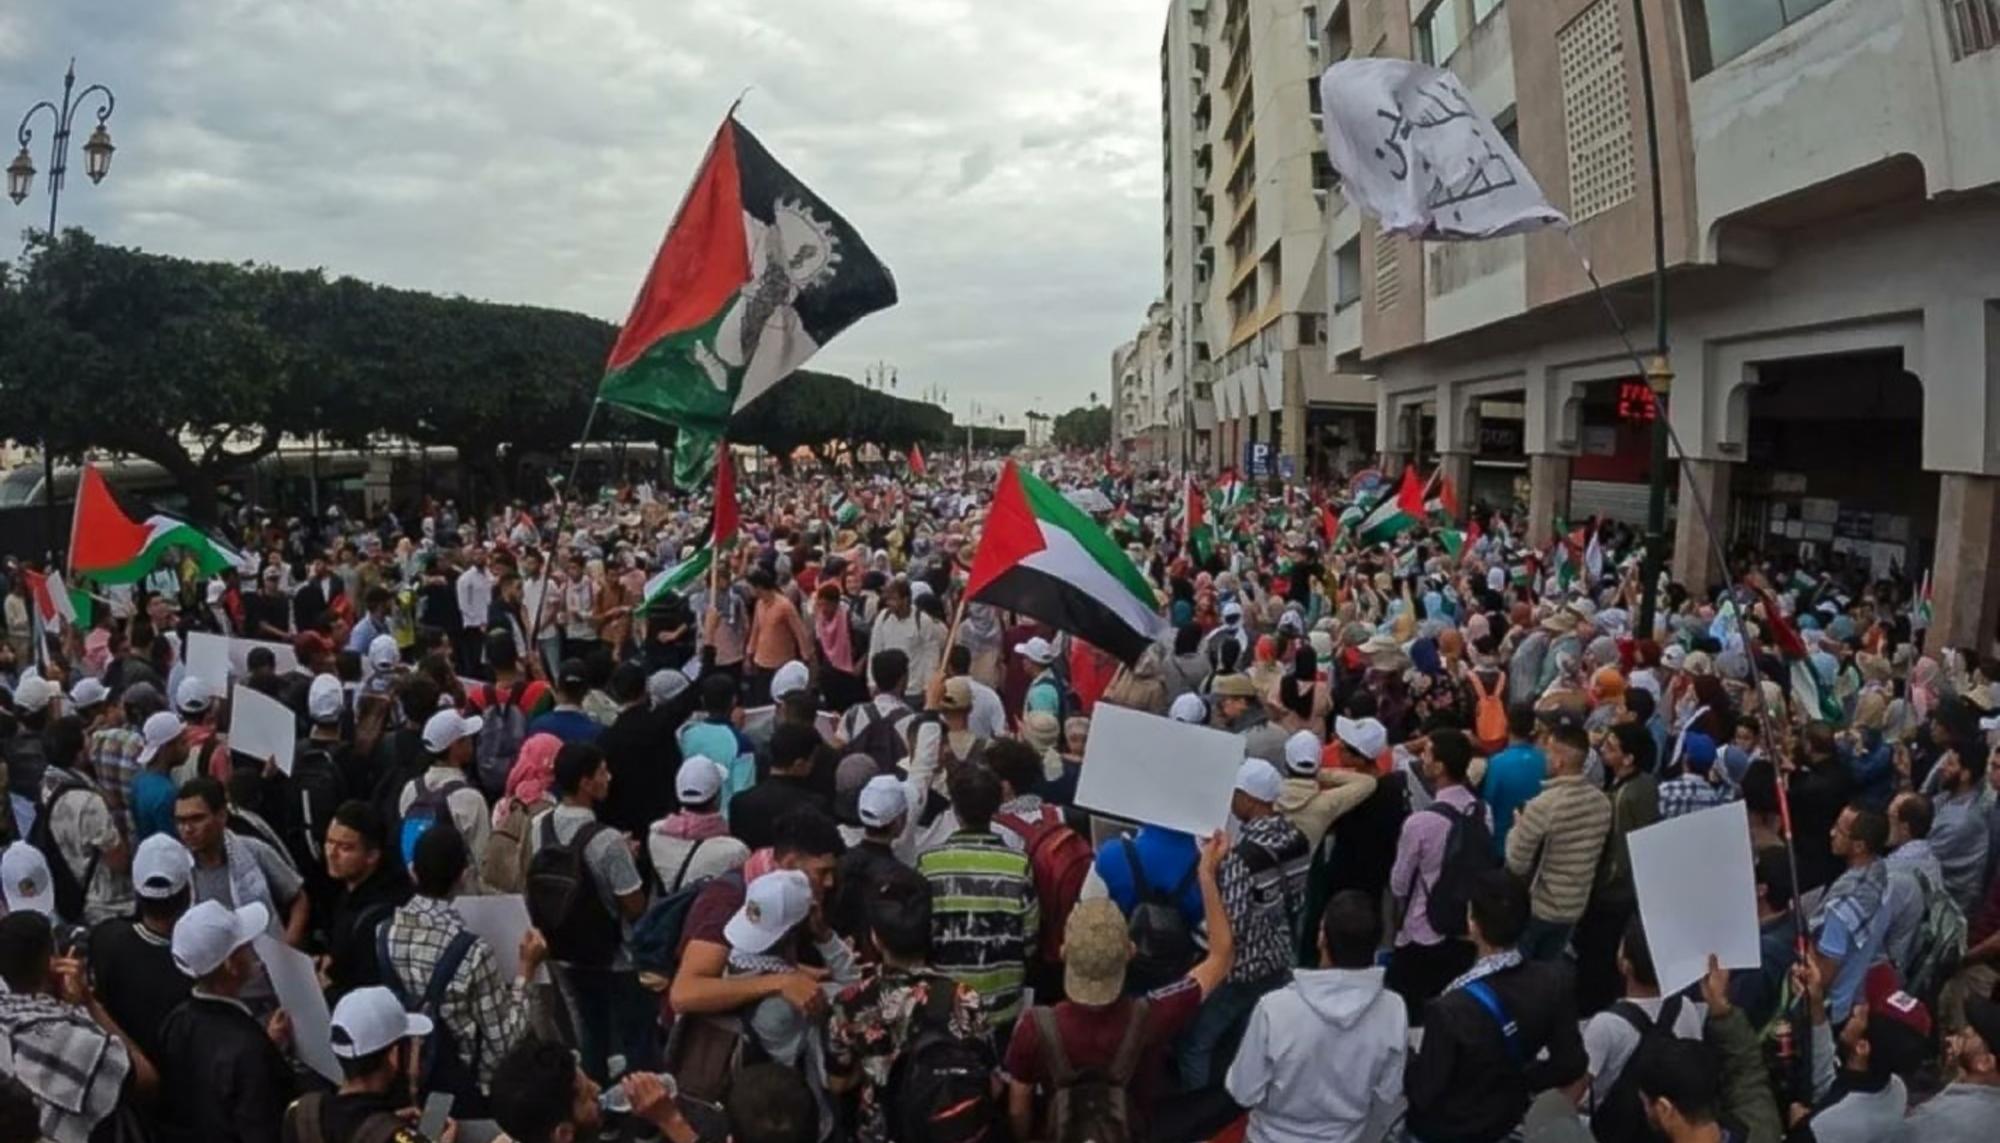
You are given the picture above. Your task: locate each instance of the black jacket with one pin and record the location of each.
(350, 932)
(640, 749)
(755, 811)
(221, 1078)
(1463, 1086)
(133, 971)
(311, 607)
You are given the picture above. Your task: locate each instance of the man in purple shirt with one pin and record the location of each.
(1425, 960)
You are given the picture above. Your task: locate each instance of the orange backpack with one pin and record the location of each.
(1489, 714)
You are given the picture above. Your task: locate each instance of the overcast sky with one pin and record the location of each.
(1002, 156)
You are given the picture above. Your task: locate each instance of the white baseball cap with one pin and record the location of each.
(367, 1020)
(87, 693)
(790, 678)
(206, 935)
(1189, 709)
(772, 906)
(1365, 736)
(25, 875)
(1259, 779)
(448, 726)
(699, 780)
(1232, 611)
(882, 801)
(33, 693)
(192, 696)
(161, 729)
(1036, 650)
(324, 699)
(382, 653)
(161, 867)
(1302, 754)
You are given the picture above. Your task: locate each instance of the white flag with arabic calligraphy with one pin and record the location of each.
(1414, 155)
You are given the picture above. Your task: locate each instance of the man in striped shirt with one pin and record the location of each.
(984, 916)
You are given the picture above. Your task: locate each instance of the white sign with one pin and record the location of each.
(501, 921)
(261, 727)
(1697, 893)
(297, 985)
(1414, 155)
(215, 659)
(1154, 770)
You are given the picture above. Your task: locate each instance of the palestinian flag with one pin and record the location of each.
(1394, 515)
(1920, 618)
(1443, 505)
(55, 602)
(755, 275)
(723, 530)
(917, 466)
(1231, 493)
(1042, 556)
(108, 546)
(1805, 689)
(1200, 537)
(1454, 542)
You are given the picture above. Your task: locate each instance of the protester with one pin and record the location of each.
(985, 917)
(235, 870)
(1557, 843)
(131, 959)
(223, 1072)
(60, 1042)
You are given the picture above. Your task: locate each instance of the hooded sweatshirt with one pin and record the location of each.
(1322, 1059)
(1313, 804)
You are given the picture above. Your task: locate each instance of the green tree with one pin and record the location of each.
(1088, 427)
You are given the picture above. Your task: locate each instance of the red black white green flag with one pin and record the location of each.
(756, 274)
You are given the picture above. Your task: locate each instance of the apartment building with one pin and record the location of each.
(1826, 173)
(1140, 386)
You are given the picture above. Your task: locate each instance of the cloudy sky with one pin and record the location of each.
(1002, 156)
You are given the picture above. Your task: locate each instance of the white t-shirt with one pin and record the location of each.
(1609, 1039)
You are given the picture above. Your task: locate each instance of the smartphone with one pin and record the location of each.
(437, 1111)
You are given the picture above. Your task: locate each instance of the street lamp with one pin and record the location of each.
(97, 152)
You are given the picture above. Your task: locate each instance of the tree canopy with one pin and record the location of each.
(1083, 427)
(203, 367)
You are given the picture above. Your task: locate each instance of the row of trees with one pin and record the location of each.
(1085, 427)
(203, 367)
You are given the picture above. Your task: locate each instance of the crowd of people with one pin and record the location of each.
(801, 857)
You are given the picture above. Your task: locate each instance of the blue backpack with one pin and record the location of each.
(430, 808)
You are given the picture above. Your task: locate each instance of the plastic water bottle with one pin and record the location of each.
(613, 1100)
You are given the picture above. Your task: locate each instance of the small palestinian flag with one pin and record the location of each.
(756, 274)
(1920, 618)
(917, 466)
(1195, 529)
(1232, 493)
(723, 530)
(56, 604)
(108, 546)
(1043, 557)
(1393, 515)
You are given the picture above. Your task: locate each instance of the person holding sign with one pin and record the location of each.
(224, 1076)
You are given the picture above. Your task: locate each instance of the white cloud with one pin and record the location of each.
(1001, 157)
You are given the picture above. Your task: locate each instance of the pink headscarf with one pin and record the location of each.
(533, 773)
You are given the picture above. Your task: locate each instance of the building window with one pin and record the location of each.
(1974, 25)
(1484, 8)
(1439, 31)
(1388, 273)
(1720, 30)
(1324, 176)
(1509, 126)
(1312, 24)
(1347, 274)
(1597, 110)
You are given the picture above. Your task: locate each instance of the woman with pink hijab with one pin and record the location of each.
(530, 790)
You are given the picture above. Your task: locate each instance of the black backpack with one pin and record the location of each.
(1163, 947)
(442, 1065)
(317, 788)
(879, 739)
(1468, 852)
(941, 1085)
(563, 902)
(70, 890)
(1621, 1113)
(656, 935)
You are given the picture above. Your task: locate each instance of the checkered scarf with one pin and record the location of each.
(74, 1068)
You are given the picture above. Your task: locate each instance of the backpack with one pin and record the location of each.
(1091, 1106)
(70, 890)
(1060, 860)
(500, 867)
(1941, 939)
(318, 788)
(1621, 1113)
(656, 935)
(563, 901)
(503, 728)
(1468, 852)
(430, 808)
(879, 739)
(442, 1064)
(302, 1122)
(1163, 947)
(941, 1086)
(371, 721)
(1489, 714)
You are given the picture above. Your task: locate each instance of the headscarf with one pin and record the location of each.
(1424, 658)
(1924, 687)
(534, 772)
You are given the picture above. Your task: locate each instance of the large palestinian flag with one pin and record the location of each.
(1042, 556)
(755, 275)
(109, 546)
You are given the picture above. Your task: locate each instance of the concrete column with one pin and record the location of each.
(1392, 464)
(1548, 497)
(1458, 469)
(1693, 565)
(1965, 586)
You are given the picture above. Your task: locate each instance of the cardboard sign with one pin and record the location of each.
(1156, 771)
(1697, 888)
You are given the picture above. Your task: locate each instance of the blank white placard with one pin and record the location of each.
(1154, 770)
(296, 982)
(1697, 893)
(261, 727)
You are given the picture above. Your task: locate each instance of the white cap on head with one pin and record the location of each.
(446, 727)
(1302, 754)
(383, 654)
(1365, 736)
(882, 801)
(324, 699)
(699, 781)
(1259, 779)
(161, 729)
(772, 905)
(1189, 709)
(1232, 611)
(33, 693)
(192, 696)
(367, 1020)
(161, 867)
(87, 693)
(24, 873)
(206, 935)
(790, 678)
(1036, 650)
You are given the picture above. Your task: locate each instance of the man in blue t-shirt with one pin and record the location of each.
(1850, 926)
(1514, 776)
